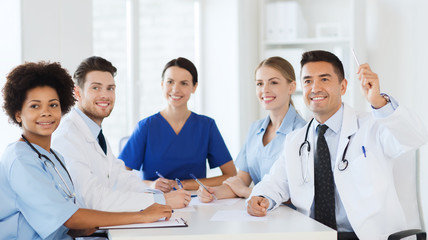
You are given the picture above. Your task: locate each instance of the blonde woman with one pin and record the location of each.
(275, 83)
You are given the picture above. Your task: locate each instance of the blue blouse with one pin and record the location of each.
(257, 159)
(33, 204)
(154, 146)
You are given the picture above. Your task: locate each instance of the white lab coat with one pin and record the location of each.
(101, 182)
(366, 187)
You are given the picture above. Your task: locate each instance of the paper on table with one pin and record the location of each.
(151, 190)
(236, 215)
(227, 202)
(186, 209)
(173, 222)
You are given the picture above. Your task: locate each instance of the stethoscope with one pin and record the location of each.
(306, 145)
(48, 162)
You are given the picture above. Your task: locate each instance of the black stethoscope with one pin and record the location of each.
(341, 166)
(48, 162)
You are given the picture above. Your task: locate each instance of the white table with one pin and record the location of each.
(283, 223)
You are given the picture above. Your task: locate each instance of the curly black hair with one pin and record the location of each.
(31, 75)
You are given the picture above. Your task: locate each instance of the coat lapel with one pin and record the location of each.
(92, 141)
(349, 128)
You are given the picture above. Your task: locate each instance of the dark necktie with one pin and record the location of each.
(324, 182)
(102, 141)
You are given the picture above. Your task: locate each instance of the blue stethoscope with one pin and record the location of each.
(48, 162)
(306, 146)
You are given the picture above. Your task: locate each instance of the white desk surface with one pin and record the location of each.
(282, 223)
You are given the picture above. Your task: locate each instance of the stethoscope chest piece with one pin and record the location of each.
(343, 165)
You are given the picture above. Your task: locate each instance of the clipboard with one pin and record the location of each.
(173, 222)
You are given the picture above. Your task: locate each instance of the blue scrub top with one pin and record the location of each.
(257, 159)
(33, 206)
(154, 146)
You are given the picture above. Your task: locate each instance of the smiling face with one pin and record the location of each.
(97, 97)
(177, 86)
(40, 114)
(272, 89)
(322, 89)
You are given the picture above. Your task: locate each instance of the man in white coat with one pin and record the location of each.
(354, 191)
(100, 179)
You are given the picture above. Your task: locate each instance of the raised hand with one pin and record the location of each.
(370, 86)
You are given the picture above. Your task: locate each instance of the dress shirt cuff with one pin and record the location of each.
(386, 110)
(272, 203)
(159, 198)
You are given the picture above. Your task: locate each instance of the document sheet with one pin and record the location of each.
(173, 222)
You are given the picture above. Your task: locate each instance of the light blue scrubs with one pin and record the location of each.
(33, 206)
(257, 159)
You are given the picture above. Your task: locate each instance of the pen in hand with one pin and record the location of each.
(355, 57)
(202, 185)
(161, 176)
(179, 183)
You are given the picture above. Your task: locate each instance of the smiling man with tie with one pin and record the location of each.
(101, 180)
(338, 168)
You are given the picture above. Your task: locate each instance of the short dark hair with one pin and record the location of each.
(90, 64)
(31, 75)
(183, 63)
(324, 56)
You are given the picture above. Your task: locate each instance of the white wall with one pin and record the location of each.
(228, 58)
(57, 30)
(10, 56)
(397, 50)
(248, 39)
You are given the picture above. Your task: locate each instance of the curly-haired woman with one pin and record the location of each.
(37, 193)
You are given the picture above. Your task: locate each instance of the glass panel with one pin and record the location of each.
(166, 31)
(109, 42)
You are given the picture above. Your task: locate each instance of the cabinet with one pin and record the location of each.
(290, 27)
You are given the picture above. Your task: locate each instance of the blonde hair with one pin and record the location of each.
(281, 65)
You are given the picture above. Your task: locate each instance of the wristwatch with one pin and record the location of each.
(386, 96)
